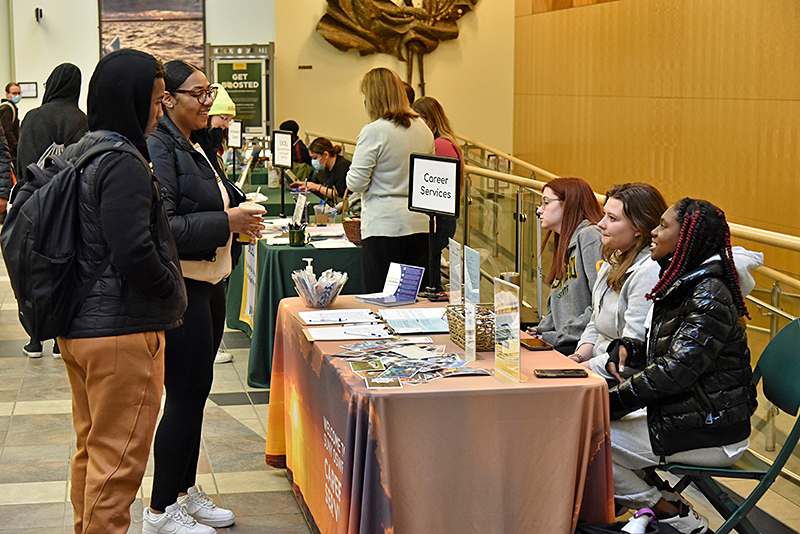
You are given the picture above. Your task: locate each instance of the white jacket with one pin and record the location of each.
(380, 171)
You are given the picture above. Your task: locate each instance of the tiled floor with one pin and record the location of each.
(37, 442)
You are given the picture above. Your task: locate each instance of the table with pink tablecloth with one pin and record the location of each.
(459, 454)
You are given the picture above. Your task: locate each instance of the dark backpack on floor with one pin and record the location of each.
(40, 238)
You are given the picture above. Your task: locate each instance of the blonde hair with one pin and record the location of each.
(385, 97)
(432, 113)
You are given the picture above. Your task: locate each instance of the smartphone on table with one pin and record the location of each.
(534, 343)
(561, 373)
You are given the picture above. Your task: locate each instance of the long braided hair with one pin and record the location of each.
(704, 233)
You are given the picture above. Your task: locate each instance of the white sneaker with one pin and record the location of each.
(174, 520)
(200, 506)
(223, 356)
(687, 521)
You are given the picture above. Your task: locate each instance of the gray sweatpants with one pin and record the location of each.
(631, 452)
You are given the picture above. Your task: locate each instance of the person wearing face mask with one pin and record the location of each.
(9, 118)
(619, 306)
(204, 213)
(331, 169)
(114, 349)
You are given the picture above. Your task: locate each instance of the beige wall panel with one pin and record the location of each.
(699, 97)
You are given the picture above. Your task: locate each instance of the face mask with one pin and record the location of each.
(16, 98)
(316, 164)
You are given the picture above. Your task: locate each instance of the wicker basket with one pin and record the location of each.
(484, 326)
(352, 229)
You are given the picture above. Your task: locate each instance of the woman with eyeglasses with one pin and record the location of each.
(570, 212)
(202, 209)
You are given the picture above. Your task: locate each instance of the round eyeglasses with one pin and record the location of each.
(200, 94)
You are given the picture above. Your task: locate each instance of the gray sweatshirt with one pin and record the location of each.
(617, 315)
(569, 306)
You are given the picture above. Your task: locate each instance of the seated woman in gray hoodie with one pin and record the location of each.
(569, 211)
(619, 306)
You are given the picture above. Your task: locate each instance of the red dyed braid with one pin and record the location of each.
(678, 263)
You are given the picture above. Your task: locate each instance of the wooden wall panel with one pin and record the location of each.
(699, 97)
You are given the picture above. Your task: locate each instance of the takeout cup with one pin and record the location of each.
(321, 214)
(249, 204)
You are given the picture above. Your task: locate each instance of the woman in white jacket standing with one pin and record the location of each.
(619, 306)
(380, 167)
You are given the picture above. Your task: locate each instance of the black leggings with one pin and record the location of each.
(378, 252)
(189, 371)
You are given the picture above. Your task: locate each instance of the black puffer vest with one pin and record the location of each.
(114, 306)
(696, 377)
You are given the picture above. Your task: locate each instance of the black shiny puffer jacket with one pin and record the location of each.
(696, 377)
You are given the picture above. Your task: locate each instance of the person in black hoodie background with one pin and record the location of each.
(202, 206)
(58, 120)
(57, 123)
(114, 349)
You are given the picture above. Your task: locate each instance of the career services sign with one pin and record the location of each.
(434, 184)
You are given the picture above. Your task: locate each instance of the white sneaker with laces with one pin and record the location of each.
(200, 506)
(687, 521)
(174, 520)
(223, 356)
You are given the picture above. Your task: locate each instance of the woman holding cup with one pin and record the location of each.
(205, 215)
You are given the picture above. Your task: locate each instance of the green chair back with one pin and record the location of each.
(779, 366)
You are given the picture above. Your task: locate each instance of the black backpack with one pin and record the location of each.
(40, 238)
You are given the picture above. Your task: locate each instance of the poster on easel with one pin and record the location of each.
(506, 331)
(247, 311)
(456, 268)
(472, 296)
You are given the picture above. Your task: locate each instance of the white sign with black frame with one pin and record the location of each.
(434, 184)
(281, 148)
(235, 134)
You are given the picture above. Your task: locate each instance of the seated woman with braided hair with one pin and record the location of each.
(692, 401)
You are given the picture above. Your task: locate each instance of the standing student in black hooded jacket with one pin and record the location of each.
(114, 350)
(58, 121)
(204, 213)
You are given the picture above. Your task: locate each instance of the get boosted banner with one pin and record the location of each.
(243, 82)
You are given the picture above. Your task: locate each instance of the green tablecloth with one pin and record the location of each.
(275, 266)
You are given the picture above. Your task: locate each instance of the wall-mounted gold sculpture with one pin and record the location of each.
(403, 28)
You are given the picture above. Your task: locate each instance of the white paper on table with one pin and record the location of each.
(416, 320)
(337, 316)
(332, 243)
(277, 240)
(353, 332)
(330, 230)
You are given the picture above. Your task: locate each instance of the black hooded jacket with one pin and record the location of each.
(696, 377)
(190, 191)
(58, 120)
(121, 213)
